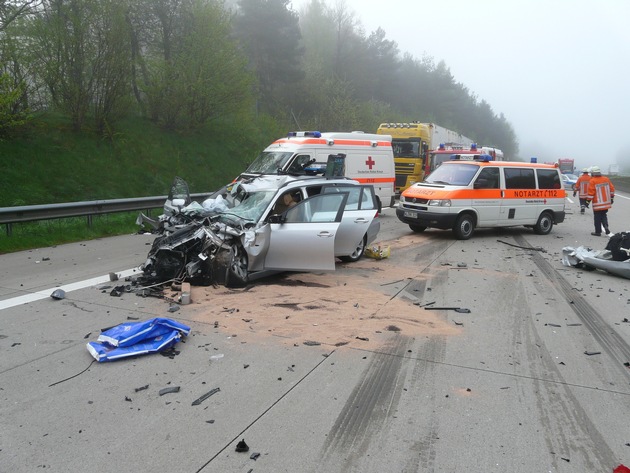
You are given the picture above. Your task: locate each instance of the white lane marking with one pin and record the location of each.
(39, 295)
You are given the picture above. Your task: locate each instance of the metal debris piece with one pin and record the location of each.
(254, 456)
(242, 446)
(198, 401)
(340, 344)
(113, 277)
(365, 339)
(554, 325)
(58, 294)
(461, 310)
(142, 388)
(590, 353)
(172, 389)
(311, 343)
(173, 308)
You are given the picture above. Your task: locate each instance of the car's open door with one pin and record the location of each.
(359, 211)
(305, 239)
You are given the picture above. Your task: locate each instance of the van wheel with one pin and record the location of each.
(380, 206)
(544, 224)
(464, 226)
(357, 253)
(417, 228)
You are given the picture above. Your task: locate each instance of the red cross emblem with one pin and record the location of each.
(370, 162)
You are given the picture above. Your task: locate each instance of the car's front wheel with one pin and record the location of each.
(464, 226)
(357, 253)
(417, 228)
(237, 273)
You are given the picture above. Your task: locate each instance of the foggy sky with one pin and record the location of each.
(559, 70)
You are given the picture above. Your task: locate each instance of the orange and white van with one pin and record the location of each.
(462, 195)
(368, 158)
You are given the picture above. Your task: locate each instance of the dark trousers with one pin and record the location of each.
(583, 203)
(601, 220)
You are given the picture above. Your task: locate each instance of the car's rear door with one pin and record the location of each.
(359, 211)
(305, 241)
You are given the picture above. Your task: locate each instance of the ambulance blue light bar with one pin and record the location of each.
(302, 134)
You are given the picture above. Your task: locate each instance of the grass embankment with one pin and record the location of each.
(49, 163)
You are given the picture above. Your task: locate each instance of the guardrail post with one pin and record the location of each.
(9, 229)
(89, 221)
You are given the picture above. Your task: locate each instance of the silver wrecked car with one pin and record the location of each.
(261, 225)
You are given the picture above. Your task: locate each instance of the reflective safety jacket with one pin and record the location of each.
(601, 192)
(581, 185)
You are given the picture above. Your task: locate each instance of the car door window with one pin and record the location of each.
(319, 208)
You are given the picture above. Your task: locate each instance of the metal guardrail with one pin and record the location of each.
(31, 213)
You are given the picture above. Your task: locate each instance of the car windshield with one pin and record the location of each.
(571, 177)
(248, 205)
(453, 174)
(269, 162)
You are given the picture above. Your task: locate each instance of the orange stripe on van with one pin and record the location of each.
(477, 194)
(373, 180)
(321, 141)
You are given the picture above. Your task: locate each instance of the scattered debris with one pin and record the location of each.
(377, 252)
(113, 277)
(365, 339)
(532, 248)
(142, 388)
(340, 344)
(461, 310)
(311, 343)
(173, 308)
(169, 390)
(392, 328)
(254, 456)
(553, 325)
(242, 446)
(614, 259)
(198, 401)
(218, 356)
(137, 338)
(58, 294)
(590, 353)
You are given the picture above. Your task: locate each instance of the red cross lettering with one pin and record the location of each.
(370, 162)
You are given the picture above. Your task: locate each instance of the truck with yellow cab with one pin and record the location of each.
(367, 158)
(462, 195)
(411, 143)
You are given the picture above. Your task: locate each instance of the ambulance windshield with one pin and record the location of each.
(269, 162)
(454, 174)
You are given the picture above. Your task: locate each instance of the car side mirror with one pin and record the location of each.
(277, 218)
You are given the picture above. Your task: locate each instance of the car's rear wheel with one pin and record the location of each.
(357, 253)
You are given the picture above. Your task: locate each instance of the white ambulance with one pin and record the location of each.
(461, 195)
(367, 158)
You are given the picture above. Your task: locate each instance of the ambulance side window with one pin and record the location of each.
(548, 179)
(488, 178)
(519, 178)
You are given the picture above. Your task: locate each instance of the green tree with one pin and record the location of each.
(270, 34)
(11, 114)
(190, 70)
(80, 50)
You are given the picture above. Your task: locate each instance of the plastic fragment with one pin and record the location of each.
(242, 446)
(554, 325)
(58, 294)
(142, 388)
(592, 352)
(365, 339)
(254, 456)
(311, 343)
(172, 389)
(173, 308)
(198, 401)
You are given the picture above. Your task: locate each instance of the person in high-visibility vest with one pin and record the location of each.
(601, 193)
(581, 188)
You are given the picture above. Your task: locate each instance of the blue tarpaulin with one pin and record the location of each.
(137, 338)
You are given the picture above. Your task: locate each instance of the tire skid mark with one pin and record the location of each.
(369, 405)
(608, 339)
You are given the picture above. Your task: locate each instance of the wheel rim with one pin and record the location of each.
(466, 227)
(239, 262)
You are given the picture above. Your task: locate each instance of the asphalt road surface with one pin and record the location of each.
(392, 379)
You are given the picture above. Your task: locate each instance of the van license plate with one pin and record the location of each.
(410, 214)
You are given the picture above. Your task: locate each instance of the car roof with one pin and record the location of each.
(501, 164)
